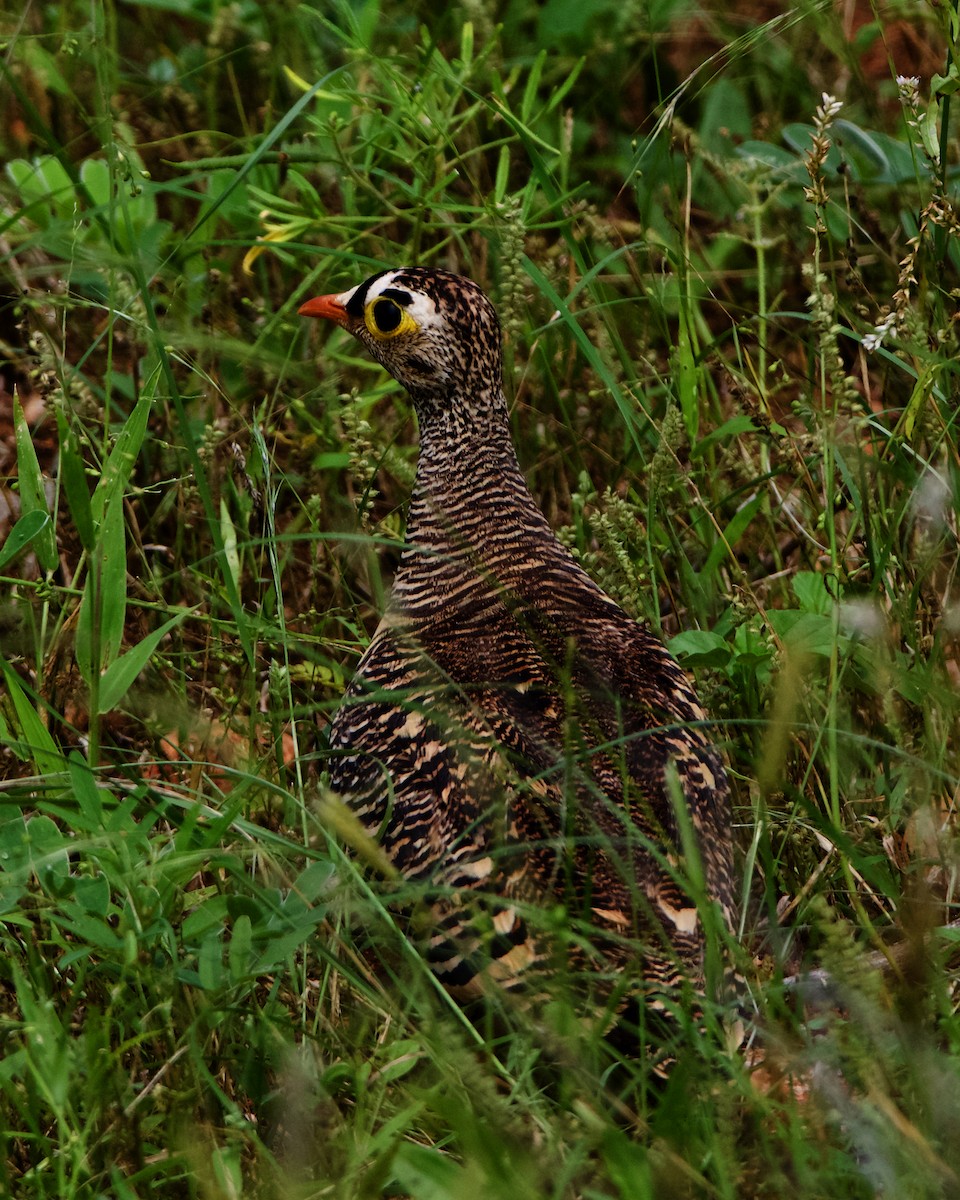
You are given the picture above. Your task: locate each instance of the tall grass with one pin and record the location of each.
(729, 306)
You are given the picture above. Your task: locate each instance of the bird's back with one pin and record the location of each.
(509, 730)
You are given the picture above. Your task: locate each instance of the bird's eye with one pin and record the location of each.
(387, 316)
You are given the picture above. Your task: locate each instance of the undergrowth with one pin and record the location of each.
(725, 251)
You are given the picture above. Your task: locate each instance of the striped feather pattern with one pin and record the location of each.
(509, 731)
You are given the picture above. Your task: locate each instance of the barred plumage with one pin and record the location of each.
(509, 728)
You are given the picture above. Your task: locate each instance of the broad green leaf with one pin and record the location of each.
(36, 739)
(405, 1054)
(92, 894)
(92, 931)
(85, 791)
(883, 158)
(929, 131)
(95, 174)
(945, 85)
(228, 534)
(119, 676)
(313, 880)
(779, 162)
(103, 606)
(804, 632)
(206, 916)
(210, 962)
(280, 946)
(22, 534)
(49, 852)
(729, 429)
(119, 466)
(239, 949)
(921, 394)
(74, 480)
(811, 590)
(45, 188)
(700, 647)
(428, 1173)
(32, 497)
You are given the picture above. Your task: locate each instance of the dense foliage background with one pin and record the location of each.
(725, 249)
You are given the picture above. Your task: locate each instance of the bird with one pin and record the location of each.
(512, 738)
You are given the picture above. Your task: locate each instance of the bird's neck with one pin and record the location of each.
(471, 515)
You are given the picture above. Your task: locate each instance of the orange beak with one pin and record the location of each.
(328, 307)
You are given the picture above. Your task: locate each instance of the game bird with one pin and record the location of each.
(512, 738)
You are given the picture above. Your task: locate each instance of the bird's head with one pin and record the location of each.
(435, 332)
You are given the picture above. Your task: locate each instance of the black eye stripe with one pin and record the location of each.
(399, 295)
(357, 301)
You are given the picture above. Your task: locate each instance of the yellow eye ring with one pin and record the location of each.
(385, 318)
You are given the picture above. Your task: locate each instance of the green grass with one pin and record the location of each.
(201, 994)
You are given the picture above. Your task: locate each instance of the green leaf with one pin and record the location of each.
(119, 466)
(85, 791)
(239, 949)
(945, 85)
(49, 852)
(811, 590)
(45, 190)
(533, 82)
(118, 678)
(557, 94)
(279, 946)
(920, 396)
(113, 596)
(95, 174)
(897, 162)
(405, 1054)
(94, 931)
(36, 737)
(929, 134)
(103, 606)
(74, 480)
(729, 429)
(210, 962)
(466, 44)
(313, 880)
(428, 1174)
(779, 162)
(212, 912)
(804, 632)
(22, 534)
(92, 894)
(700, 647)
(32, 497)
(228, 534)
(503, 175)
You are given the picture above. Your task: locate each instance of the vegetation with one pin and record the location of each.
(725, 248)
